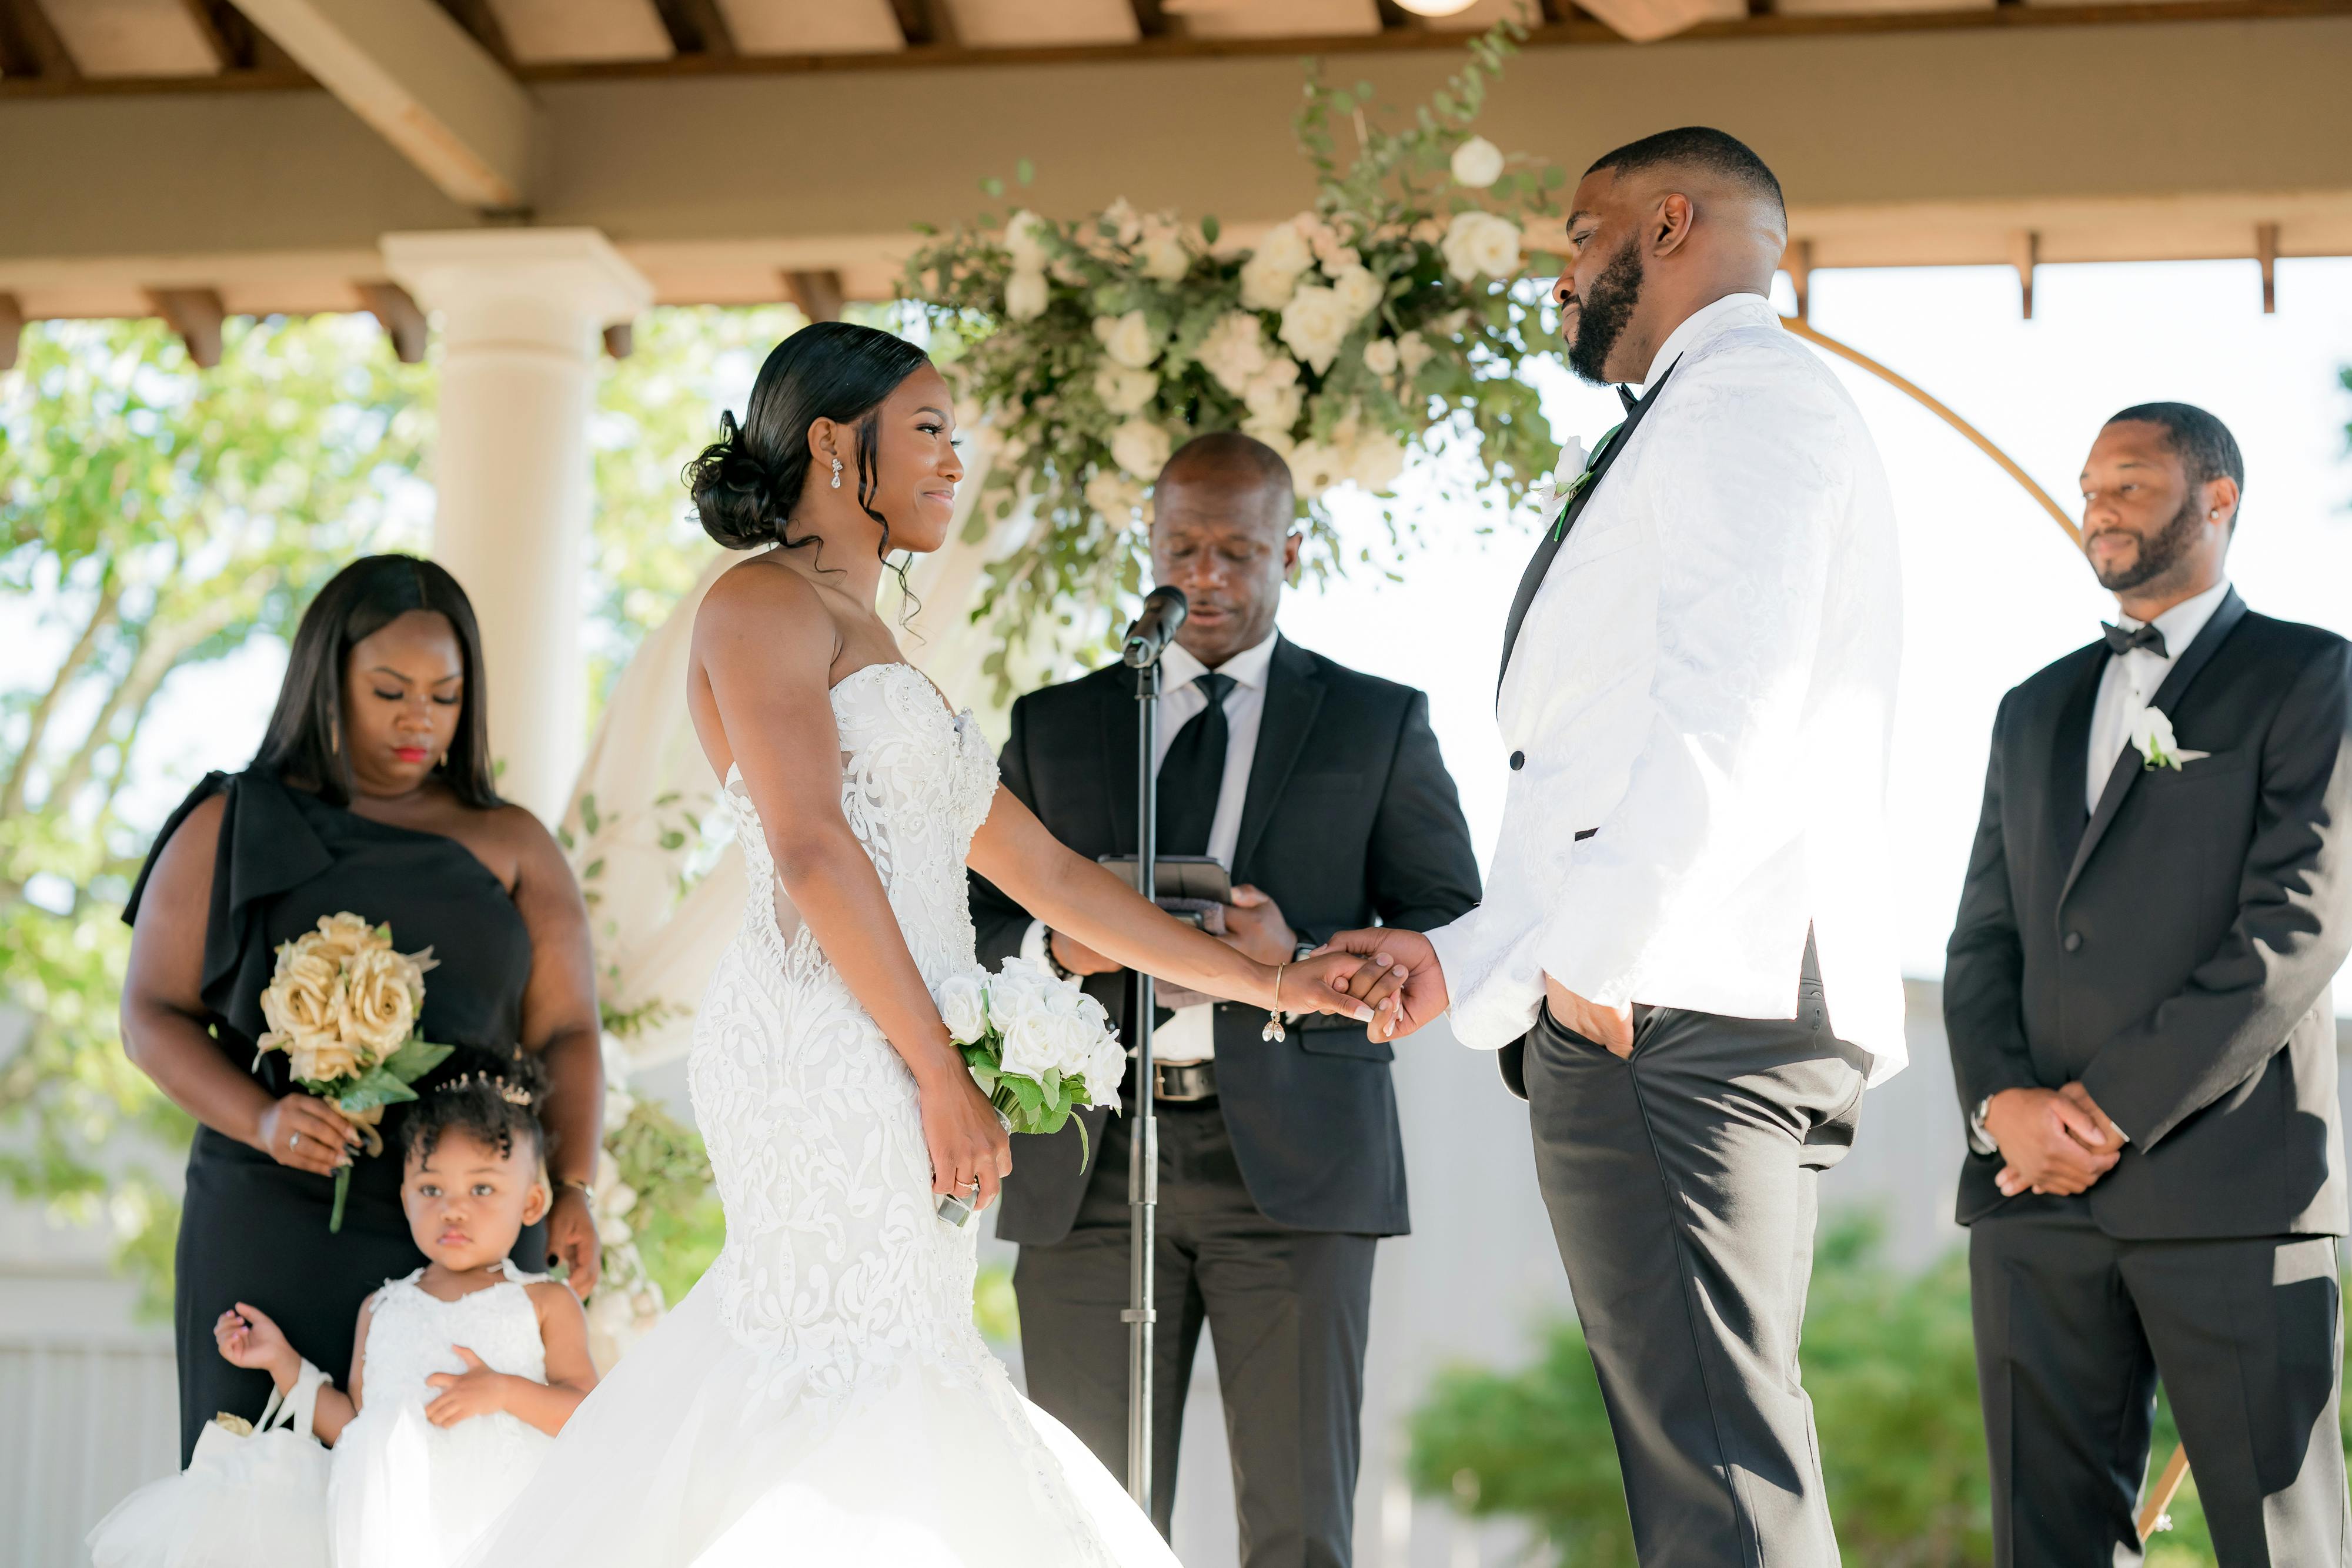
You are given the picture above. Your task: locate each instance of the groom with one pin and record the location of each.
(1683, 953)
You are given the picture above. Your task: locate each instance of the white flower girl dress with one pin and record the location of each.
(405, 1493)
(822, 1397)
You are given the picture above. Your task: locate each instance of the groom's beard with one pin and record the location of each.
(2160, 554)
(1607, 307)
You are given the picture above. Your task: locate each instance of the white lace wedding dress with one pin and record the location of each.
(822, 1397)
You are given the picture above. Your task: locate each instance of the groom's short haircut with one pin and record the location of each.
(1702, 148)
(1230, 455)
(2204, 443)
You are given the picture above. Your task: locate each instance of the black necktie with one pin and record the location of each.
(1589, 481)
(2120, 642)
(1193, 772)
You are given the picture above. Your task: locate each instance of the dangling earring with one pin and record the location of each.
(836, 472)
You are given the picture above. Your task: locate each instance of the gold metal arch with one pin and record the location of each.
(1977, 438)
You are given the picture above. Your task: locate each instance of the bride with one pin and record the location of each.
(820, 1396)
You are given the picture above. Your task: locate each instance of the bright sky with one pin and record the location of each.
(1992, 589)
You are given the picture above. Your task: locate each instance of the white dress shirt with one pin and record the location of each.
(2130, 681)
(1191, 1035)
(1706, 680)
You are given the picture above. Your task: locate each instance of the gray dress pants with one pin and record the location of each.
(1289, 1310)
(1681, 1186)
(2073, 1328)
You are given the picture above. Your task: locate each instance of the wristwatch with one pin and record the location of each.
(1980, 1137)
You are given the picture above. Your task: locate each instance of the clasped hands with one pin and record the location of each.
(2052, 1141)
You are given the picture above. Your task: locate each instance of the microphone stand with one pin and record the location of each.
(1143, 1160)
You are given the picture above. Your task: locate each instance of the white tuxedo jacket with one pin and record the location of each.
(1706, 678)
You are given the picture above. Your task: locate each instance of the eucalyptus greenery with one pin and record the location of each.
(1381, 318)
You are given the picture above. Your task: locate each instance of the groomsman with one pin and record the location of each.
(2136, 993)
(1322, 791)
(1685, 955)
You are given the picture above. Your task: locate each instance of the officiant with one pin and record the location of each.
(1321, 790)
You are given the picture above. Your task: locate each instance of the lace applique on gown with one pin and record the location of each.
(821, 1397)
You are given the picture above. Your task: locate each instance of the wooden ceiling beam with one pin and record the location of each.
(29, 45)
(196, 315)
(396, 311)
(698, 28)
(818, 294)
(424, 83)
(12, 331)
(482, 26)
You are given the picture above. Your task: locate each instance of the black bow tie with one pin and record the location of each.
(2120, 642)
(1625, 395)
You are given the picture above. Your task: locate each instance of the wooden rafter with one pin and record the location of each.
(925, 24)
(620, 340)
(29, 45)
(195, 314)
(476, 17)
(818, 294)
(396, 311)
(12, 331)
(2266, 237)
(697, 27)
(1150, 18)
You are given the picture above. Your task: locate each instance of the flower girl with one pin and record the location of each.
(461, 1375)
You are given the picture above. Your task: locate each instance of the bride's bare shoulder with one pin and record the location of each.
(764, 609)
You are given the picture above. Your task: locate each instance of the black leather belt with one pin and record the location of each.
(1183, 1083)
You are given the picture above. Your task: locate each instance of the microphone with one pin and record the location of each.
(1164, 609)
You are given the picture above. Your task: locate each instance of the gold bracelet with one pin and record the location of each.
(1272, 1030)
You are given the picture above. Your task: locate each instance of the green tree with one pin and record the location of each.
(153, 517)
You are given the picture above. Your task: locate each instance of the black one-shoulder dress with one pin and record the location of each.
(252, 1229)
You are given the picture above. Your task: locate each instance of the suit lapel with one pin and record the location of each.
(2131, 764)
(1293, 696)
(2070, 755)
(1118, 731)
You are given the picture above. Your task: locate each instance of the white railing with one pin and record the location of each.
(83, 1421)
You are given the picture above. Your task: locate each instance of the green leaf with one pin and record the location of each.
(992, 187)
(672, 839)
(563, 837)
(1023, 172)
(593, 870)
(588, 817)
(1210, 229)
(414, 1058)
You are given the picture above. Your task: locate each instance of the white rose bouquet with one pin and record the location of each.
(1037, 1045)
(343, 1007)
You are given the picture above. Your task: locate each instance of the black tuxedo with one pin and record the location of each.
(1351, 817)
(1273, 1194)
(2170, 950)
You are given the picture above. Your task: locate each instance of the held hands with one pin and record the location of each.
(1402, 981)
(477, 1391)
(2053, 1140)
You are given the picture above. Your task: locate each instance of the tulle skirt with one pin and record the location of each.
(255, 1501)
(405, 1493)
(922, 1463)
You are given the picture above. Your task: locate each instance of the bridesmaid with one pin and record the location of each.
(371, 793)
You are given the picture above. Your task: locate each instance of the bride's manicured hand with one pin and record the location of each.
(1320, 985)
(968, 1144)
(1411, 990)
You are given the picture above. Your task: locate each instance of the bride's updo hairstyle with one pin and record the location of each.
(747, 483)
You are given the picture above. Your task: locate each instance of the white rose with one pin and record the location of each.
(1113, 495)
(1451, 324)
(1266, 286)
(1314, 323)
(1164, 256)
(1271, 433)
(1477, 242)
(1413, 351)
(1024, 241)
(1381, 356)
(1141, 448)
(1287, 246)
(1128, 338)
(1124, 224)
(1316, 468)
(1123, 390)
(1477, 163)
(1024, 295)
(1359, 290)
(1234, 351)
(1340, 260)
(961, 1009)
(1273, 396)
(1375, 462)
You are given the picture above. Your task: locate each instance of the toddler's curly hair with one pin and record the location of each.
(496, 1109)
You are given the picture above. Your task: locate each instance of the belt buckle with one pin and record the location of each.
(1166, 1075)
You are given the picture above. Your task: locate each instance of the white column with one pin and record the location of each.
(522, 315)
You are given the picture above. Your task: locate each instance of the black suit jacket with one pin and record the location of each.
(2173, 948)
(1350, 815)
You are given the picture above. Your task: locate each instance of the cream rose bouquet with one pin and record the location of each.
(1392, 314)
(1039, 1046)
(343, 1007)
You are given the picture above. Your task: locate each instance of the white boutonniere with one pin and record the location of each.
(2152, 733)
